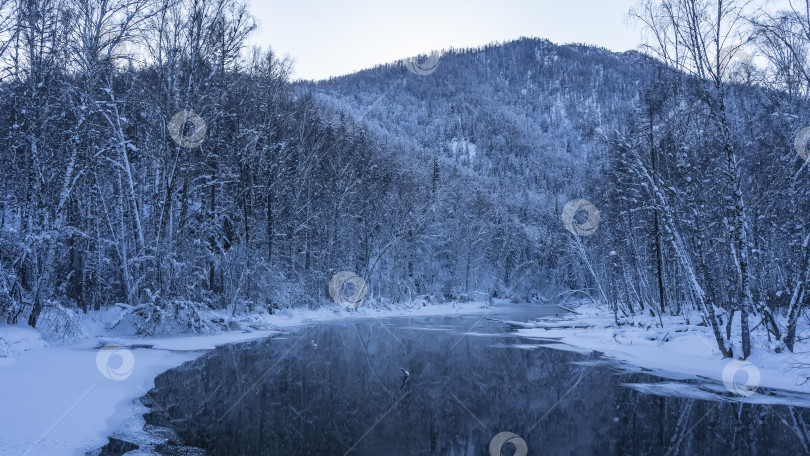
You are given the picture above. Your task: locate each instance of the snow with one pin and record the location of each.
(463, 146)
(67, 399)
(16, 340)
(679, 351)
(59, 399)
(59, 403)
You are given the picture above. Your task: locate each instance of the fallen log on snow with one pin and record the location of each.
(570, 310)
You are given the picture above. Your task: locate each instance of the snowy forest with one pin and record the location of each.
(154, 163)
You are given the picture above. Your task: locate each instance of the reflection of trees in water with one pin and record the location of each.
(322, 400)
(689, 426)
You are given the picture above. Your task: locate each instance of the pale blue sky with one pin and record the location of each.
(330, 38)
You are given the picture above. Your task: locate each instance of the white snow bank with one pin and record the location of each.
(57, 402)
(17, 339)
(65, 400)
(679, 350)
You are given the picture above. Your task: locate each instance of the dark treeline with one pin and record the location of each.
(445, 185)
(102, 206)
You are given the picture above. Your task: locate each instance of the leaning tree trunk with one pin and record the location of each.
(681, 253)
(739, 228)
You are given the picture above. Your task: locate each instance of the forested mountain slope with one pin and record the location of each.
(519, 129)
(190, 176)
(516, 130)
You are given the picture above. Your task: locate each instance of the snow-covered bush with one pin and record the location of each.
(167, 317)
(60, 324)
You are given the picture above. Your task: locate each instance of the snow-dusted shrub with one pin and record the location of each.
(167, 317)
(60, 324)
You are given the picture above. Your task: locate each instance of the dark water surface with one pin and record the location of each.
(336, 388)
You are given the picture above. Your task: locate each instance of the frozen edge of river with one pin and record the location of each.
(681, 351)
(59, 402)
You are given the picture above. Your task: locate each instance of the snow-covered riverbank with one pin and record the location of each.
(678, 351)
(67, 399)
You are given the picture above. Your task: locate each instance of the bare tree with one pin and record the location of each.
(784, 38)
(699, 37)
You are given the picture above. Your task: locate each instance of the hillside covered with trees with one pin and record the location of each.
(153, 163)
